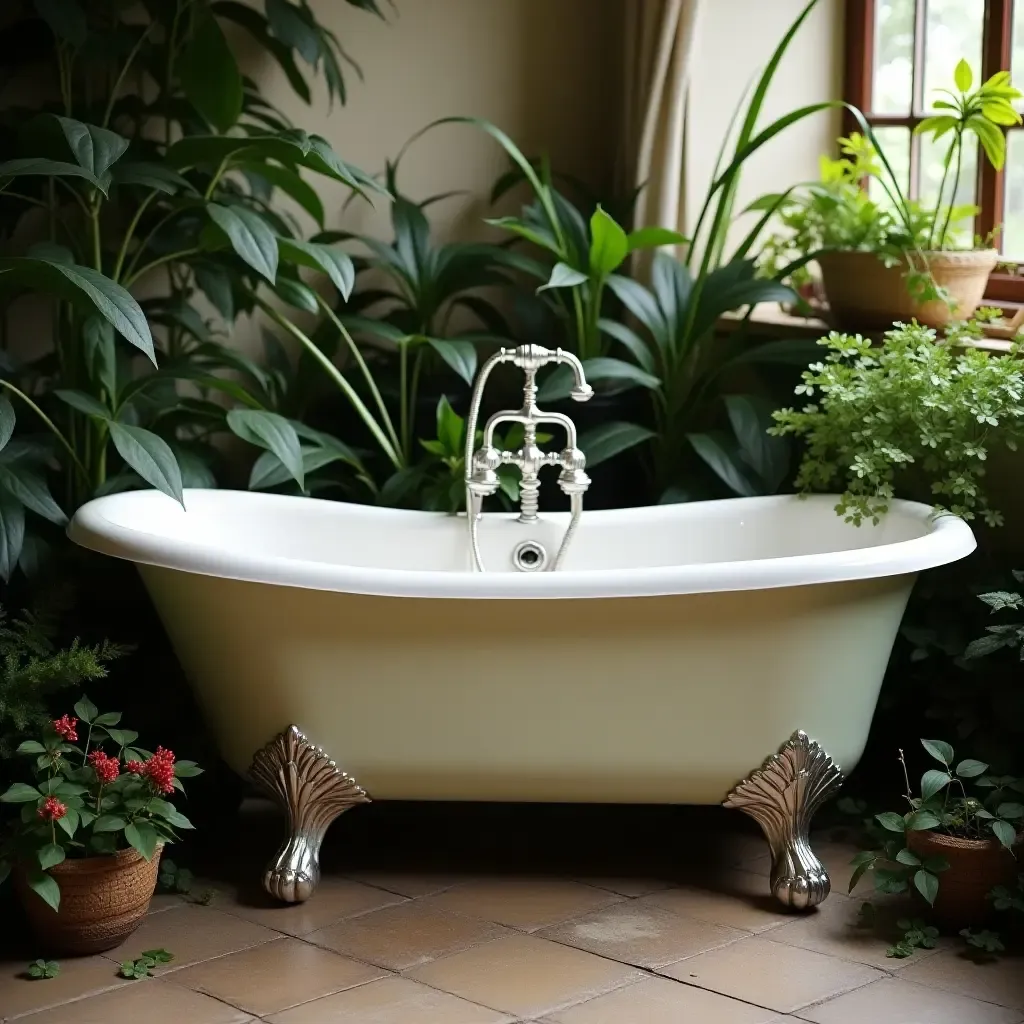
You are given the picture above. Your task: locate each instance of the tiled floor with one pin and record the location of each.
(492, 916)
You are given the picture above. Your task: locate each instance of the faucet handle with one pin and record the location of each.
(482, 480)
(573, 479)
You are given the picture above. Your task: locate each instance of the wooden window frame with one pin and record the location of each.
(1004, 289)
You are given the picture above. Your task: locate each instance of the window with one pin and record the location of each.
(898, 52)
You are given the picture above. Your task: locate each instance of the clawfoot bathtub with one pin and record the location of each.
(679, 647)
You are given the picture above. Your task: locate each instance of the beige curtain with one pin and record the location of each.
(660, 40)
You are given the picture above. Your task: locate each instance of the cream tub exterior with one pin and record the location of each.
(680, 645)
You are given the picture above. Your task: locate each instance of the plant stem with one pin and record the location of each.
(942, 188)
(50, 424)
(120, 78)
(97, 246)
(144, 244)
(956, 187)
(403, 396)
(130, 232)
(413, 400)
(160, 261)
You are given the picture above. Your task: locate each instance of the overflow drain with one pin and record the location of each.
(529, 556)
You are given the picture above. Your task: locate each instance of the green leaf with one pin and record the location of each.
(78, 284)
(65, 18)
(95, 149)
(963, 77)
(209, 73)
(927, 885)
(12, 534)
(86, 710)
(273, 432)
(45, 887)
(20, 793)
(1010, 810)
(609, 245)
(750, 417)
(721, 456)
(921, 821)
(970, 769)
(151, 175)
(30, 747)
(158, 956)
(932, 782)
(150, 456)
(141, 836)
(50, 855)
(186, 769)
(7, 421)
(108, 823)
(563, 276)
(33, 492)
(250, 237)
(652, 238)
(296, 293)
(84, 403)
(40, 167)
(940, 750)
(892, 821)
(992, 140)
(607, 440)
(100, 354)
(1005, 833)
(459, 355)
(289, 182)
(560, 381)
(337, 265)
(292, 27)
(908, 858)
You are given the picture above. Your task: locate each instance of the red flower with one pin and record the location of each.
(159, 769)
(107, 768)
(135, 767)
(52, 809)
(65, 728)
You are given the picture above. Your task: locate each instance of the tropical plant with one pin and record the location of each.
(140, 189)
(84, 802)
(911, 417)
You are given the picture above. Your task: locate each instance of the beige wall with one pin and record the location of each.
(546, 71)
(736, 39)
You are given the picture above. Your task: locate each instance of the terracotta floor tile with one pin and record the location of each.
(833, 929)
(78, 977)
(632, 887)
(192, 934)
(999, 981)
(275, 976)
(738, 899)
(336, 898)
(523, 902)
(392, 1001)
(897, 1001)
(657, 1001)
(525, 975)
(405, 936)
(151, 1001)
(408, 883)
(771, 974)
(642, 936)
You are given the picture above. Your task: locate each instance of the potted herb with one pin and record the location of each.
(953, 847)
(911, 416)
(897, 259)
(86, 847)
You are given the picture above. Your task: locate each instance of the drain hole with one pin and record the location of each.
(529, 556)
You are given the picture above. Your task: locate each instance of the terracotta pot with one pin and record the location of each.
(102, 901)
(864, 294)
(976, 866)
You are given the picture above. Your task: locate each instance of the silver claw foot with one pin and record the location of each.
(782, 796)
(313, 791)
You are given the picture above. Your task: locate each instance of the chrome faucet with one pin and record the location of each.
(482, 465)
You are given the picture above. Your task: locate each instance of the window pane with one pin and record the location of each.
(892, 89)
(1017, 62)
(953, 30)
(895, 143)
(933, 158)
(1013, 211)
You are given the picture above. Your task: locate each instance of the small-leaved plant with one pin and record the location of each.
(915, 417)
(86, 802)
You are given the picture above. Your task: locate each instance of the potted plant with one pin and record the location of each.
(86, 846)
(952, 847)
(896, 259)
(911, 416)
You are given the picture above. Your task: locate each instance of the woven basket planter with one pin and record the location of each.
(866, 295)
(102, 901)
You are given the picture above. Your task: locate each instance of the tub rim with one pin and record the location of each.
(947, 539)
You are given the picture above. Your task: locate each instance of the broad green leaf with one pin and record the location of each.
(100, 354)
(1005, 833)
(30, 747)
(142, 837)
(20, 793)
(609, 245)
(451, 427)
(268, 470)
(151, 175)
(45, 887)
(610, 439)
(459, 355)
(970, 769)
(563, 276)
(34, 166)
(992, 140)
(1000, 112)
(209, 73)
(86, 710)
(289, 182)
(922, 820)
(1011, 809)
(932, 782)
(293, 28)
(215, 283)
(641, 303)
(150, 456)
(652, 238)
(84, 403)
(891, 821)
(77, 284)
(531, 233)
(96, 149)
(631, 340)
(12, 534)
(750, 417)
(66, 19)
(296, 293)
(7, 421)
(273, 432)
(940, 750)
(108, 823)
(908, 858)
(250, 237)
(718, 455)
(50, 856)
(337, 265)
(33, 492)
(927, 885)
(964, 78)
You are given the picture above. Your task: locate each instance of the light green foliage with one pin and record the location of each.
(915, 417)
(43, 969)
(142, 966)
(916, 935)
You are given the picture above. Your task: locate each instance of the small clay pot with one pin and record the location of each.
(102, 901)
(976, 867)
